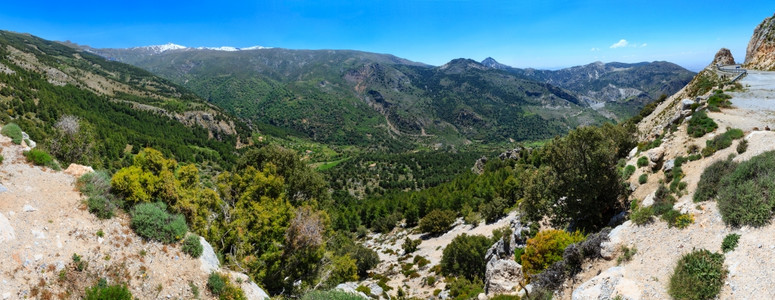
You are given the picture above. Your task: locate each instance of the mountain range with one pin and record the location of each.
(349, 97)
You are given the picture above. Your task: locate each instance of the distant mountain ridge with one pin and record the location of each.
(347, 96)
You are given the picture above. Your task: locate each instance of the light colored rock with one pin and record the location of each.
(528, 289)
(686, 104)
(38, 257)
(608, 248)
(607, 285)
(6, 230)
(28, 208)
(481, 296)
(668, 166)
(655, 156)
(251, 289)
(502, 276)
(38, 234)
(208, 259)
(6, 295)
(649, 200)
(3, 189)
(77, 170)
(376, 290)
(349, 287)
(632, 153)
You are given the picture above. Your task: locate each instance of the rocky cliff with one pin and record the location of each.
(723, 57)
(760, 54)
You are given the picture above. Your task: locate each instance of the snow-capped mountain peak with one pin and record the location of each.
(156, 49)
(162, 48)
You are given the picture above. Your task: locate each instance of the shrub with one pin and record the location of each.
(493, 210)
(642, 215)
(12, 131)
(462, 288)
(700, 124)
(627, 254)
(721, 141)
(742, 146)
(745, 196)
(643, 161)
(363, 289)
(552, 277)
(675, 218)
(719, 100)
(464, 256)
(151, 221)
(730, 242)
(100, 206)
(437, 221)
(410, 245)
(643, 178)
(628, 171)
(41, 158)
(698, 275)
(546, 248)
(386, 223)
(708, 186)
(94, 183)
(331, 295)
(192, 246)
(103, 291)
(220, 286)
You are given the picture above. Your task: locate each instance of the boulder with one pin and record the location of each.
(77, 170)
(609, 284)
(632, 153)
(502, 276)
(655, 156)
(28, 208)
(208, 259)
(649, 200)
(668, 166)
(375, 289)
(686, 104)
(608, 248)
(6, 231)
(349, 287)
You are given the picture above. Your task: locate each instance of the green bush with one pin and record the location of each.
(103, 291)
(220, 286)
(700, 124)
(192, 246)
(742, 146)
(94, 183)
(100, 206)
(331, 295)
(698, 275)
(463, 288)
(437, 221)
(546, 248)
(12, 131)
(643, 161)
(719, 100)
(41, 158)
(493, 210)
(410, 245)
(627, 254)
(628, 171)
(642, 215)
(730, 242)
(464, 256)
(721, 141)
(643, 178)
(151, 221)
(746, 196)
(364, 289)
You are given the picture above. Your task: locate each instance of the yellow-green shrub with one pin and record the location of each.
(546, 248)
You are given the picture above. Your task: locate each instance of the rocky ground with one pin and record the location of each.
(44, 222)
(659, 247)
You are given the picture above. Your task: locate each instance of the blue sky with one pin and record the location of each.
(540, 34)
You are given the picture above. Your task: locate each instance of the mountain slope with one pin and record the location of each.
(352, 97)
(760, 54)
(41, 81)
(622, 88)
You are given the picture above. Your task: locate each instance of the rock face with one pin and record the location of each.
(503, 273)
(208, 259)
(251, 289)
(78, 170)
(760, 54)
(609, 284)
(723, 57)
(608, 248)
(478, 167)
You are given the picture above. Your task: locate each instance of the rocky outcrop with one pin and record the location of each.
(723, 58)
(77, 170)
(760, 54)
(609, 248)
(503, 273)
(608, 285)
(478, 167)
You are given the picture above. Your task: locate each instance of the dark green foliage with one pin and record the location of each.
(302, 184)
(643, 178)
(151, 221)
(192, 246)
(505, 297)
(41, 158)
(96, 186)
(702, 83)
(493, 210)
(627, 254)
(642, 215)
(103, 291)
(365, 259)
(643, 161)
(331, 295)
(12, 131)
(698, 275)
(216, 283)
(221, 286)
(410, 245)
(742, 146)
(746, 196)
(709, 184)
(80, 265)
(464, 256)
(461, 288)
(437, 221)
(700, 124)
(628, 171)
(730, 242)
(721, 141)
(719, 100)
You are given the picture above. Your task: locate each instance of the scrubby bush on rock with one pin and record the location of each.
(103, 291)
(698, 275)
(12, 131)
(546, 248)
(437, 221)
(192, 246)
(464, 256)
(151, 221)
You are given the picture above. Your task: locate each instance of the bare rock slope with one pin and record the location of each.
(760, 54)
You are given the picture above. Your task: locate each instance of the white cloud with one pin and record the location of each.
(643, 45)
(621, 43)
(594, 49)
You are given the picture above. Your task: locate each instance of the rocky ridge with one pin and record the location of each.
(760, 54)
